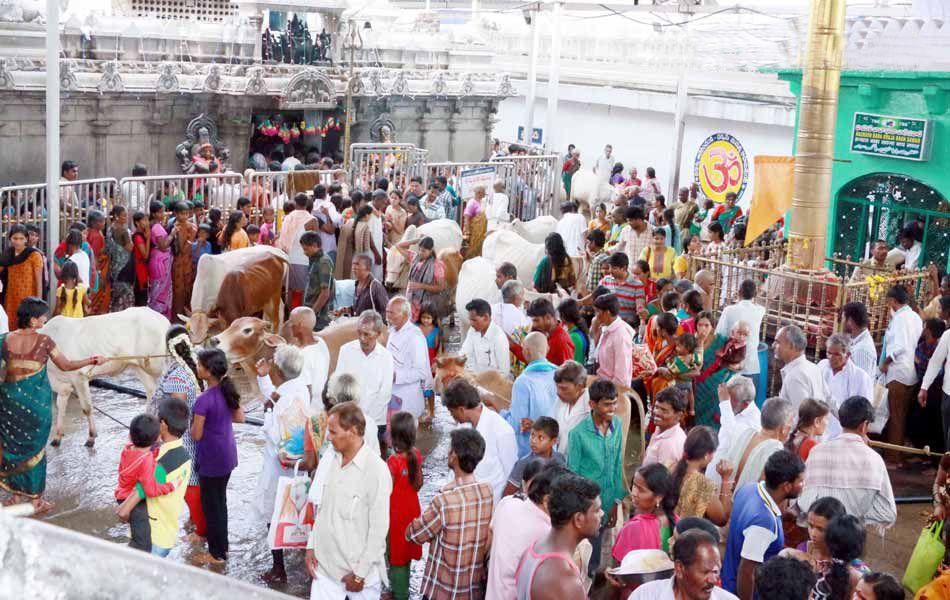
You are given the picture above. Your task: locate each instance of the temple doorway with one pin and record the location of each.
(309, 136)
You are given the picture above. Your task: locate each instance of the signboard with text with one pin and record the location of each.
(472, 178)
(892, 137)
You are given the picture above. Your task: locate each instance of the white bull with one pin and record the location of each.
(134, 332)
(507, 246)
(445, 233)
(476, 280)
(534, 230)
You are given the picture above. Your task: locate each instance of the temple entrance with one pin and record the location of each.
(307, 135)
(879, 205)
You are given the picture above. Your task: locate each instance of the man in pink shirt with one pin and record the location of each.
(615, 347)
(666, 445)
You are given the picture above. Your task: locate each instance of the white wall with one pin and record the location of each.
(642, 138)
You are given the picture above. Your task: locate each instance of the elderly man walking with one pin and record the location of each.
(372, 366)
(410, 353)
(843, 378)
(746, 310)
(573, 403)
(346, 551)
(486, 346)
(897, 363)
(848, 470)
(534, 393)
(316, 355)
(751, 449)
(800, 378)
(509, 313)
(738, 413)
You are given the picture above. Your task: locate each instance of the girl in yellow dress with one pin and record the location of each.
(72, 297)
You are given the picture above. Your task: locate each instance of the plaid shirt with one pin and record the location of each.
(595, 272)
(457, 522)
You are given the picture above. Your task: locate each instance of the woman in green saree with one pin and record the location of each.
(26, 403)
(722, 359)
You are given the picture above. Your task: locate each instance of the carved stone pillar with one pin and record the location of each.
(100, 129)
(257, 20)
(455, 113)
(491, 119)
(423, 125)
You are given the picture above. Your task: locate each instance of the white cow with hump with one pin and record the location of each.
(507, 246)
(445, 233)
(534, 230)
(131, 333)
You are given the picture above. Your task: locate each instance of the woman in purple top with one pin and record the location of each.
(215, 449)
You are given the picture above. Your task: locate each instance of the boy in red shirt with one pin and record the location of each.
(137, 465)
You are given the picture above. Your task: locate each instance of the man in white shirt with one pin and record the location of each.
(897, 364)
(573, 403)
(372, 365)
(497, 210)
(376, 230)
(573, 229)
(486, 345)
(509, 313)
(737, 413)
(316, 355)
(346, 551)
(907, 252)
(696, 563)
(939, 360)
(746, 310)
(134, 193)
(855, 323)
(801, 379)
(410, 356)
(605, 164)
(844, 380)
(329, 218)
(501, 449)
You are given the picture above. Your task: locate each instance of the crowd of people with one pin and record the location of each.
(749, 498)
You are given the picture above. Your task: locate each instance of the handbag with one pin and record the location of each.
(926, 558)
(292, 520)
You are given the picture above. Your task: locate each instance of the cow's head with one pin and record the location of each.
(200, 324)
(246, 339)
(447, 370)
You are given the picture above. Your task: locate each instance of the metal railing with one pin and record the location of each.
(274, 189)
(212, 190)
(452, 171)
(533, 187)
(396, 162)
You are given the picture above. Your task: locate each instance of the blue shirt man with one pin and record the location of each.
(534, 393)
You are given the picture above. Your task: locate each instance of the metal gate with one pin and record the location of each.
(396, 162)
(274, 189)
(451, 171)
(213, 190)
(533, 185)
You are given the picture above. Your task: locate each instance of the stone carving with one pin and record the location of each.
(167, 78)
(256, 86)
(111, 81)
(468, 86)
(6, 77)
(438, 84)
(400, 85)
(382, 130)
(356, 85)
(213, 79)
(22, 11)
(376, 82)
(67, 78)
(505, 88)
(201, 136)
(309, 89)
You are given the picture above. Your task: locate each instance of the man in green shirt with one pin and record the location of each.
(321, 287)
(594, 452)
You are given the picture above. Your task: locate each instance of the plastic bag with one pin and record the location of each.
(881, 410)
(923, 563)
(292, 521)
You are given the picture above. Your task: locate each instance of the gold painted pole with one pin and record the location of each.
(811, 196)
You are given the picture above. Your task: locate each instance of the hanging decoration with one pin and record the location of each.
(276, 127)
(267, 128)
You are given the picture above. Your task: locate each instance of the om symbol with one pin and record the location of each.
(721, 167)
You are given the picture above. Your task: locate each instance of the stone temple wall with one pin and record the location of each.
(108, 134)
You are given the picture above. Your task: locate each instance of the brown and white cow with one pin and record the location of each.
(236, 284)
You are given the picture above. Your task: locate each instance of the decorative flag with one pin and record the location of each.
(774, 180)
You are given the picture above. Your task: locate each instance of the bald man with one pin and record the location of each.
(534, 392)
(704, 281)
(316, 355)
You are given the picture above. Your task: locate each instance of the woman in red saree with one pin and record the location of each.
(101, 299)
(660, 332)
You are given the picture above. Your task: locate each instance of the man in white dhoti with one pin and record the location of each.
(412, 373)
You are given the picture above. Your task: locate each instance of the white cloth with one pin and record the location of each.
(509, 317)
(751, 313)
(351, 525)
(663, 590)
(289, 163)
(909, 258)
(497, 210)
(316, 364)
(864, 354)
(81, 259)
(370, 439)
(324, 588)
(573, 229)
(296, 255)
(731, 427)
(487, 352)
(291, 406)
(757, 539)
(376, 232)
(568, 417)
(374, 372)
(900, 344)
(4, 322)
(801, 379)
(501, 451)
(134, 193)
(604, 166)
(327, 240)
(851, 380)
(411, 365)
(939, 360)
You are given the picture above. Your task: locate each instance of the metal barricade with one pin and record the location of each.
(27, 205)
(504, 171)
(213, 190)
(396, 162)
(533, 188)
(274, 189)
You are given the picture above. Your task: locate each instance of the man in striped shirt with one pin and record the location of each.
(628, 289)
